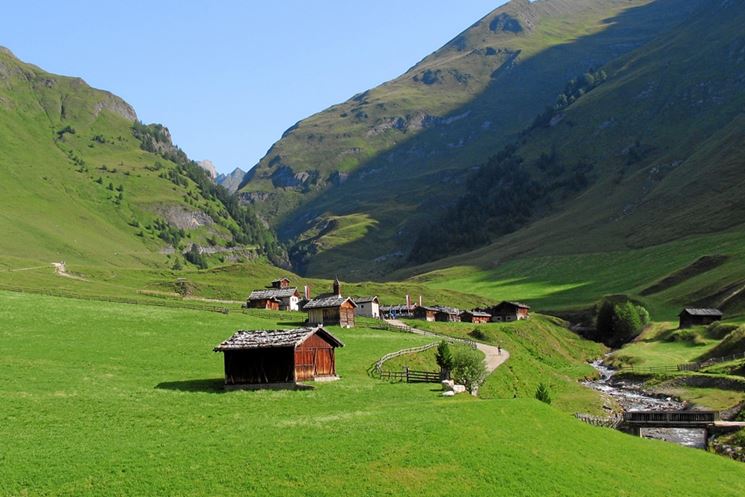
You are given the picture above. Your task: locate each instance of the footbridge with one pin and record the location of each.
(635, 421)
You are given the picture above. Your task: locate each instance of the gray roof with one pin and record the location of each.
(702, 312)
(272, 293)
(364, 300)
(446, 310)
(261, 339)
(516, 304)
(397, 308)
(478, 314)
(329, 301)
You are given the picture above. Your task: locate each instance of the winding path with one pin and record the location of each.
(493, 357)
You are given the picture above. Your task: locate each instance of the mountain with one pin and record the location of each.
(84, 181)
(208, 166)
(351, 187)
(232, 181)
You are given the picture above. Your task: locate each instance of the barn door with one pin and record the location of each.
(324, 362)
(304, 364)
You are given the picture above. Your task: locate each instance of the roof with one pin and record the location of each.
(447, 310)
(272, 293)
(702, 312)
(478, 314)
(283, 278)
(514, 304)
(364, 300)
(264, 339)
(399, 307)
(329, 301)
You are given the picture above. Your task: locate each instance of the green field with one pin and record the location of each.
(112, 399)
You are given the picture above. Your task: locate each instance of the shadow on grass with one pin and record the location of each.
(217, 385)
(297, 324)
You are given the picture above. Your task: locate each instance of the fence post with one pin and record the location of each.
(406, 369)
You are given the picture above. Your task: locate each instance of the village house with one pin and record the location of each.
(509, 311)
(426, 313)
(447, 314)
(279, 291)
(477, 317)
(331, 309)
(287, 299)
(698, 317)
(368, 307)
(278, 358)
(397, 311)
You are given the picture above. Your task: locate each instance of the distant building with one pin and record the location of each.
(331, 309)
(287, 297)
(267, 302)
(278, 357)
(697, 317)
(426, 313)
(368, 307)
(397, 311)
(447, 314)
(478, 317)
(509, 311)
(283, 282)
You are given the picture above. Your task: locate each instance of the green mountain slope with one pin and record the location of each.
(353, 184)
(79, 186)
(664, 138)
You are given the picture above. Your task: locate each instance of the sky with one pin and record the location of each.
(228, 77)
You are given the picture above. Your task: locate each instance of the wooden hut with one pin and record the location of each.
(288, 298)
(368, 307)
(447, 315)
(267, 302)
(331, 310)
(425, 313)
(283, 282)
(509, 311)
(278, 357)
(397, 311)
(698, 317)
(477, 317)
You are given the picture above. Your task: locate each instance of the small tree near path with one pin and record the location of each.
(444, 359)
(542, 393)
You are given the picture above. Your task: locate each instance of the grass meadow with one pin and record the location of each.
(104, 399)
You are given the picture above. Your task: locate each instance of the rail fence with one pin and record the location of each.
(377, 368)
(412, 376)
(603, 422)
(385, 325)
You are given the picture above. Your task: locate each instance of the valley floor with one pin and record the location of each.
(104, 399)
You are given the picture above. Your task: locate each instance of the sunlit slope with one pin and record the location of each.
(397, 153)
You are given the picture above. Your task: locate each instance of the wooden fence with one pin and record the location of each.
(604, 422)
(412, 376)
(378, 366)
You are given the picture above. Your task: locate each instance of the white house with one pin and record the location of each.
(368, 307)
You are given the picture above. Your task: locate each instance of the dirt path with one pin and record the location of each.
(61, 270)
(493, 356)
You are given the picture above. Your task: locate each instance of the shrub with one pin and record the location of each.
(689, 336)
(444, 357)
(478, 334)
(195, 257)
(468, 368)
(542, 393)
(619, 321)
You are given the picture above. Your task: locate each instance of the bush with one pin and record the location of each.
(195, 257)
(619, 321)
(688, 336)
(542, 393)
(478, 334)
(468, 368)
(444, 357)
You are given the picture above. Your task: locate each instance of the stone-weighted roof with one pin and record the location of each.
(259, 339)
(328, 301)
(272, 293)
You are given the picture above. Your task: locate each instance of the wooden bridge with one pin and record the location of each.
(635, 421)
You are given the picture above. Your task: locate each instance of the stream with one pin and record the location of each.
(631, 397)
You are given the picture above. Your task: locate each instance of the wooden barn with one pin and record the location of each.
(509, 311)
(331, 310)
(447, 315)
(287, 297)
(368, 307)
(425, 313)
(281, 283)
(698, 317)
(278, 357)
(477, 317)
(267, 302)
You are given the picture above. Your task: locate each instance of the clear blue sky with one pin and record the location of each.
(228, 77)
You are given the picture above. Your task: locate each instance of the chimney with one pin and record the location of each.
(420, 301)
(408, 301)
(307, 292)
(337, 287)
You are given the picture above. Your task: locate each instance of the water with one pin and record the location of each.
(632, 398)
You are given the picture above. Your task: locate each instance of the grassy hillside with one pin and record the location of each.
(395, 154)
(157, 422)
(77, 185)
(659, 197)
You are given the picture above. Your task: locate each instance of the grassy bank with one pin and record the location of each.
(126, 400)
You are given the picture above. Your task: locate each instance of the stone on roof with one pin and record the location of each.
(258, 339)
(478, 314)
(364, 300)
(327, 301)
(272, 293)
(702, 311)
